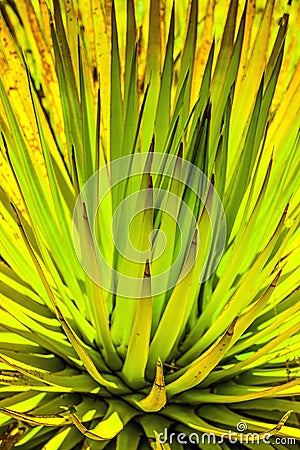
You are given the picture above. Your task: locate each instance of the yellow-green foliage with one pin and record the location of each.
(86, 363)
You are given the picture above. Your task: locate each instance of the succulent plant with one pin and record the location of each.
(149, 224)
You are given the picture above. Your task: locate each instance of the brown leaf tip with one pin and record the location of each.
(147, 273)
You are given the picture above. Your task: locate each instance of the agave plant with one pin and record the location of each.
(149, 224)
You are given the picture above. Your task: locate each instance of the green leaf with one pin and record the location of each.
(157, 398)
